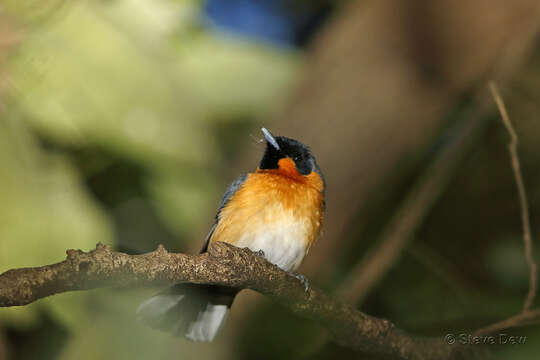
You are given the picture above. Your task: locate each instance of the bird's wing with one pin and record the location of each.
(231, 190)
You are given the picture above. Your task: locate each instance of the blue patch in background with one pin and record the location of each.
(278, 22)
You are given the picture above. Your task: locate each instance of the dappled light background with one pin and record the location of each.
(123, 121)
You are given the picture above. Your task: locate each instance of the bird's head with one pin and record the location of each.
(288, 156)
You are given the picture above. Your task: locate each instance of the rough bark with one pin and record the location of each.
(224, 264)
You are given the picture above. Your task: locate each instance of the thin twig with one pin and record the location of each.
(527, 239)
(524, 318)
(410, 214)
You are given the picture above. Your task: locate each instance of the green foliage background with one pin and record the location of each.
(131, 85)
(122, 122)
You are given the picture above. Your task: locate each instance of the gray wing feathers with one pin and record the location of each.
(231, 190)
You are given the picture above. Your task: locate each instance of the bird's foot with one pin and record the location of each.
(259, 253)
(302, 279)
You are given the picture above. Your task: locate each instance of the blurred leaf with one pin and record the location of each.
(236, 77)
(83, 80)
(133, 78)
(184, 199)
(45, 210)
(101, 75)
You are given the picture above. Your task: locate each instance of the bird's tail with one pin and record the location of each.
(196, 312)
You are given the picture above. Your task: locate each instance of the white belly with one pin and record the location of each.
(283, 245)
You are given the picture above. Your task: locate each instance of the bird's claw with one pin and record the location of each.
(303, 280)
(259, 253)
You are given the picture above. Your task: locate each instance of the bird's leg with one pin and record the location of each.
(302, 279)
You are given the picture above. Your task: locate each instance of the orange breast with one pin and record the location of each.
(273, 198)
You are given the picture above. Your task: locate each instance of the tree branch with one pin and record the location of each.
(526, 316)
(525, 221)
(226, 265)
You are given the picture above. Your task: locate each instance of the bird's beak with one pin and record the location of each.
(270, 138)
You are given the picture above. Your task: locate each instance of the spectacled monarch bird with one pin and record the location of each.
(276, 210)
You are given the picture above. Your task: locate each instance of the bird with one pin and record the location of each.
(275, 211)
